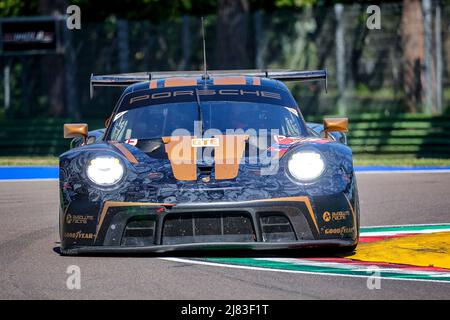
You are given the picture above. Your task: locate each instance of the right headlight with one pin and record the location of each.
(105, 170)
(306, 165)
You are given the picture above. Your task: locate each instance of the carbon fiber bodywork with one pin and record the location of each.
(262, 208)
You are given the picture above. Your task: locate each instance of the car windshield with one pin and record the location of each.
(157, 121)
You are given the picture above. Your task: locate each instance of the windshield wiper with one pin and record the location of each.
(199, 108)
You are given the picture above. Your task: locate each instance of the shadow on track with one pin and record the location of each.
(241, 253)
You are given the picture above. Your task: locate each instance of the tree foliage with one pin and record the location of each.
(12, 8)
(152, 10)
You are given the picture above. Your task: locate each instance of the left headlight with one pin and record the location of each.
(105, 171)
(306, 165)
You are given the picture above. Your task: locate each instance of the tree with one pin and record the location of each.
(231, 35)
(53, 65)
(413, 53)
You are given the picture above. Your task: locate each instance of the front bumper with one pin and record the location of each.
(268, 224)
(304, 244)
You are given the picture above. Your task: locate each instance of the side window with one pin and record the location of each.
(291, 122)
(120, 128)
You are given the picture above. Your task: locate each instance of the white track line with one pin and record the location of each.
(393, 233)
(318, 263)
(355, 265)
(408, 225)
(213, 264)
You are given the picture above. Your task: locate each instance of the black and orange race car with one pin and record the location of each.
(220, 160)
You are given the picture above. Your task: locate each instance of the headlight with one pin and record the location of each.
(105, 171)
(306, 165)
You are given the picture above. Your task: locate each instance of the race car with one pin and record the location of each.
(217, 160)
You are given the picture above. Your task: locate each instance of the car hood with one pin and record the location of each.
(149, 176)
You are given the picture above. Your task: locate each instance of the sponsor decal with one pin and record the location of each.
(79, 235)
(283, 140)
(282, 143)
(205, 142)
(78, 219)
(222, 92)
(132, 142)
(287, 141)
(341, 230)
(326, 216)
(335, 215)
(340, 215)
(29, 37)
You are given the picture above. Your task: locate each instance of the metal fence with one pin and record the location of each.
(365, 66)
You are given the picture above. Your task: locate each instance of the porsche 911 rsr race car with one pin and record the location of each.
(217, 161)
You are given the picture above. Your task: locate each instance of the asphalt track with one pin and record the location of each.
(31, 269)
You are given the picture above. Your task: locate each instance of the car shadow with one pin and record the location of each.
(236, 253)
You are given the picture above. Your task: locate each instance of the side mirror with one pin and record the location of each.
(335, 125)
(73, 130)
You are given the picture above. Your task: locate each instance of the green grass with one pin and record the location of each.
(29, 161)
(359, 160)
(396, 161)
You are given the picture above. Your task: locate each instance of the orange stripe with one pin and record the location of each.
(182, 156)
(180, 82)
(303, 199)
(256, 81)
(229, 80)
(125, 152)
(228, 155)
(153, 84)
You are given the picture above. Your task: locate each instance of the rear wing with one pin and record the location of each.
(126, 79)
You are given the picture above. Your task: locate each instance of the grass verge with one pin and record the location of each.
(364, 160)
(29, 161)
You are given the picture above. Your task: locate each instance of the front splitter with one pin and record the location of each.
(79, 250)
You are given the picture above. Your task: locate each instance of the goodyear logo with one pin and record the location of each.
(341, 230)
(79, 235)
